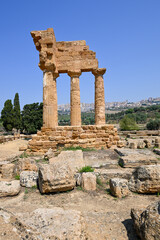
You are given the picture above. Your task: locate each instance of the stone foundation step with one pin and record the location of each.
(133, 161)
(132, 158)
(127, 152)
(107, 174)
(101, 159)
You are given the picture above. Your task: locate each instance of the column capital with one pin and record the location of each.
(99, 71)
(54, 74)
(74, 73)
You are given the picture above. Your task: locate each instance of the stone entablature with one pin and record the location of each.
(63, 56)
(86, 136)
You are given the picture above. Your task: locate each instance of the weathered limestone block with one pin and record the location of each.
(145, 179)
(99, 96)
(121, 143)
(89, 181)
(27, 164)
(147, 222)
(55, 178)
(12, 227)
(107, 174)
(73, 159)
(9, 188)
(136, 160)
(3, 163)
(148, 143)
(119, 187)
(56, 223)
(133, 145)
(49, 154)
(141, 144)
(28, 179)
(8, 171)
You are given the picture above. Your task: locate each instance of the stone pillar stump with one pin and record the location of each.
(99, 96)
(75, 104)
(50, 108)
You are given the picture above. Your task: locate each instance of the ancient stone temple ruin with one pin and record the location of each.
(73, 58)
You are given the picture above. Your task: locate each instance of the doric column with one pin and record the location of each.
(99, 96)
(50, 109)
(75, 105)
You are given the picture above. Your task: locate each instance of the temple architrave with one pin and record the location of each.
(73, 58)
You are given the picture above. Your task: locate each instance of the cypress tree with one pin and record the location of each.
(7, 115)
(16, 112)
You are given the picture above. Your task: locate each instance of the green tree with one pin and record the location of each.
(16, 112)
(153, 124)
(32, 117)
(7, 115)
(128, 123)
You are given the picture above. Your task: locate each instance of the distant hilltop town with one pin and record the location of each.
(113, 106)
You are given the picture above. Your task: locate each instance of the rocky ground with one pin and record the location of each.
(106, 217)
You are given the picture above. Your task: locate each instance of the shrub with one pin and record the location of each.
(24, 155)
(17, 177)
(128, 123)
(86, 169)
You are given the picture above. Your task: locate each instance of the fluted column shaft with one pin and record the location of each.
(99, 96)
(50, 108)
(75, 105)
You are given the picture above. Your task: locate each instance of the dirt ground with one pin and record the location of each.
(11, 149)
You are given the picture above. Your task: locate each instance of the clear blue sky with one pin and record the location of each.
(125, 34)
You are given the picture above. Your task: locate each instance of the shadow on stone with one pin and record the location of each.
(131, 233)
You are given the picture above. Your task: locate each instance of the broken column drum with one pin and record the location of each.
(73, 58)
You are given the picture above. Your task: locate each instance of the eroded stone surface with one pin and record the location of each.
(147, 222)
(12, 228)
(136, 160)
(145, 179)
(26, 164)
(8, 171)
(89, 181)
(73, 159)
(55, 178)
(9, 188)
(57, 223)
(28, 179)
(119, 187)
